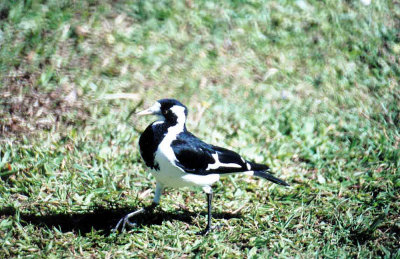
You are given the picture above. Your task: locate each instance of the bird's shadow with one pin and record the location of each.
(104, 219)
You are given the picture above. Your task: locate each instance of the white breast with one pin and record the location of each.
(171, 175)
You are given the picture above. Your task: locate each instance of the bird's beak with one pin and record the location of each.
(153, 110)
(145, 112)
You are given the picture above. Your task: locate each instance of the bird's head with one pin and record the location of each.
(169, 110)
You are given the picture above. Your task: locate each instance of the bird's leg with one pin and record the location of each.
(209, 199)
(125, 220)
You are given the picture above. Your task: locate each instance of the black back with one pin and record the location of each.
(194, 156)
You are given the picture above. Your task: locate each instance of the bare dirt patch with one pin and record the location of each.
(25, 109)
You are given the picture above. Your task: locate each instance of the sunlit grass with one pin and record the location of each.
(311, 88)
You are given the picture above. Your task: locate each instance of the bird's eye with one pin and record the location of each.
(165, 112)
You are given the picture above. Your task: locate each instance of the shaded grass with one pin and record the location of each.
(103, 219)
(310, 88)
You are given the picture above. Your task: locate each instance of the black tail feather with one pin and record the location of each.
(258, 167)
(270, 177)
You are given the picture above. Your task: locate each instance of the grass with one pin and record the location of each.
(309, 87)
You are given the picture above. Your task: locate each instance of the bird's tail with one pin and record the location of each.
(262, 171)
(270, 177)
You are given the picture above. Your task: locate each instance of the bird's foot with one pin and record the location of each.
(208, 229)
(125, 220)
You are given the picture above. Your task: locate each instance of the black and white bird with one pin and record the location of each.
(178, 158)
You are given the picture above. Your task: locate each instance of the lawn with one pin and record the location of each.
(309, 87)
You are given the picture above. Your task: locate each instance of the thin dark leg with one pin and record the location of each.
(208, 228)
(209, 199)
(125, 220)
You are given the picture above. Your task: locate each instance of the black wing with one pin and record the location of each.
(197, 157)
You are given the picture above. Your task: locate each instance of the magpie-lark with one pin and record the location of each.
(178, 158)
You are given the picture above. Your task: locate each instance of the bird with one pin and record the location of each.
(177, 158)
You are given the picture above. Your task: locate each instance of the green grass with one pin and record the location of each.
(309, 87)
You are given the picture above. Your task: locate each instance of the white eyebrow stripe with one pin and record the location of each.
(218, 164)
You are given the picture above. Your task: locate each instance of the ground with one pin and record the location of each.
(309, 87)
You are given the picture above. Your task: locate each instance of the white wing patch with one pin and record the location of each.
(248, 166)
(218, 164)
(158, 122)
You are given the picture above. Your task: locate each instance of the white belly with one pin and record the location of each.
(171, 175)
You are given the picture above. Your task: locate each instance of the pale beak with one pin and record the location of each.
(153, 110)
(145, 112)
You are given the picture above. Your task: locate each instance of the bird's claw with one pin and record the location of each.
(125, 220)
(208, 229)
